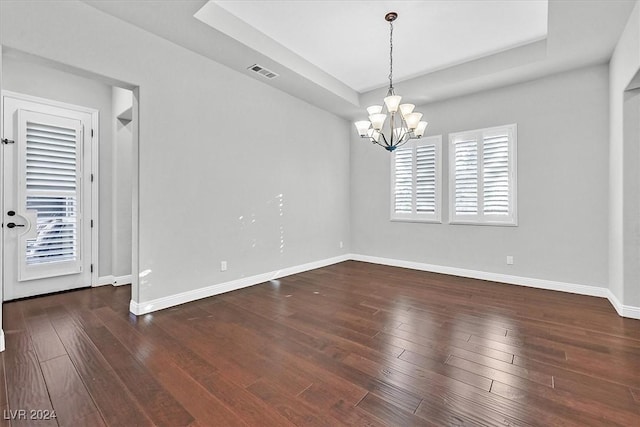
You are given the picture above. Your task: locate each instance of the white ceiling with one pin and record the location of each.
(579, 33)
(350, 39)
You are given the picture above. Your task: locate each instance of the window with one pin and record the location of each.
(482, 176)
(416, 181)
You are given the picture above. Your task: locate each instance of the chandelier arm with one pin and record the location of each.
(376, 142)
(384, 138)
(381, 145)
(406, 135)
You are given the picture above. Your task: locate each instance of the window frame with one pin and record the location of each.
(480, 218)
(436, 217)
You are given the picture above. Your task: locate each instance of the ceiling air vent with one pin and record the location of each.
(267, 74)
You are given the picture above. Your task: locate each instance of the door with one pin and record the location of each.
(46, 228)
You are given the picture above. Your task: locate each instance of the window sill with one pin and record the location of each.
(427, 221)
(484, 223)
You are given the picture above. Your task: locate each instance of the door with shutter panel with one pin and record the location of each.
(46, 197)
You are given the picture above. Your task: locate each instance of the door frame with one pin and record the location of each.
(95, 185)
(2, 343)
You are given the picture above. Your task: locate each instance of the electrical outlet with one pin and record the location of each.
(223, 265)
(341, 245)
(509, 260)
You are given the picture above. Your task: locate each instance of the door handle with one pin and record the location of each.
(13, 225)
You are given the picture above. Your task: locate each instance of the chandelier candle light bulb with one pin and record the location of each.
(377, 120)
(412, 120)
(422, 126)
(408, 127)
(363, 127)
(392, 102)
(374, 109)
(406, 109)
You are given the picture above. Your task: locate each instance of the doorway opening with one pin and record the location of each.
(62, 181)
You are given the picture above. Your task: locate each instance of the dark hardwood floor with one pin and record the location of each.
(349, 344)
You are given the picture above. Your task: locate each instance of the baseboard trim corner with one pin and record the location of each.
(623, 310)
(136, 308)
(140, 308)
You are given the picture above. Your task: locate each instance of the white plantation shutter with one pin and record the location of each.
(51, 158)
(51, 189)
(495, 156)
(466, 176)
(483, 176)
(403, 188)
(426, 179)
(57, 230)
(415, 181)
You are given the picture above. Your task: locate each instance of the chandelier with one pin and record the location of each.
(403, 125)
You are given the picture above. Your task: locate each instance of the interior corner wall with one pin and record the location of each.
(122, 153)
(36, 79)
(229, 168)
(631, 198)
(562, 185)
(624, 183)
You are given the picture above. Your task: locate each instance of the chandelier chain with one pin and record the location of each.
(390, 56)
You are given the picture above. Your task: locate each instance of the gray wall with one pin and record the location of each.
(229, 168)
(25, 76)
(562, 185)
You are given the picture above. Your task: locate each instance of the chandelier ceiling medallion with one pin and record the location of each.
(403, 125)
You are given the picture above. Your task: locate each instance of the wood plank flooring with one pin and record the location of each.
(350, 344)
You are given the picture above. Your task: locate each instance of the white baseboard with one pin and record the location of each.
(184, 297)
(139, 308)
(122, 280)
(631, 312)
(623, 310)
(113, 280)
(594, 291)
(1, 340)
(104, 280)
(552, 285)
